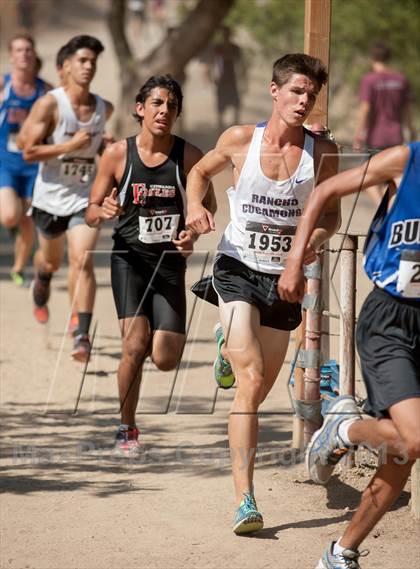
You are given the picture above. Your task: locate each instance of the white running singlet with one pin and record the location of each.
(265, 212)
(63, 183)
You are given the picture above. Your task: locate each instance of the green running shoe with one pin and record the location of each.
(18, 278)
(247, 518)
(222, 369)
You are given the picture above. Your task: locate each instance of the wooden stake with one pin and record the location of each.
(347, 323)
(317, 44)
(312, 376)
(415, 490)
(299, 389)
(347, 314)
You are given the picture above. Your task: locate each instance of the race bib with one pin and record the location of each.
(408, 283)
(158, 225)
(268, 243)
(11, 142)
(77, 170)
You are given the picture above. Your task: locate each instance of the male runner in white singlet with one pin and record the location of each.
(72, 120)
(275, 165)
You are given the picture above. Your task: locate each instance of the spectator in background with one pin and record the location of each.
(384, 108)
(226, 68)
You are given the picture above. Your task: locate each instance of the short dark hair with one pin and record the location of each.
(300, 63)
(380, 52)
(23, 35)
(62, 55)
(165, 81)
(83, 42)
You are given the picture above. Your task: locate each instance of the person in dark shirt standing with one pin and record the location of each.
(384, 108)
(228, 72)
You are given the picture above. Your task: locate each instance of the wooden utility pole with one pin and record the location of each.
(317, 44)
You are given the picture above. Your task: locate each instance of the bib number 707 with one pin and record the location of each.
(158, 226)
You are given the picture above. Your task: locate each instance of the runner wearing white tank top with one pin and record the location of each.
(275, 165)
(64, 181)
(71, 120)
(265, 212)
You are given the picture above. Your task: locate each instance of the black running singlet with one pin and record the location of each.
(153, 200)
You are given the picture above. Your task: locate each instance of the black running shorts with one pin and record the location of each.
(232, 280)
(151, 289)
(388, 342)
(52, 226)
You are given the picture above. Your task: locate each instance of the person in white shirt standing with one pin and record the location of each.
(72, 121)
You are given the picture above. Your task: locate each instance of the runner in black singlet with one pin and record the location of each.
(151, 243)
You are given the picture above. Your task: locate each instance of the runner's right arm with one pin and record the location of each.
(39, 125)
(387, 166)
(199, 218)
(103, 202)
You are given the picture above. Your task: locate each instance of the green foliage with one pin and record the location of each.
(278, 27)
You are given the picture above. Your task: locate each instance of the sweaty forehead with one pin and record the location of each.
(163, 94)
(85, 53)
(303, 81)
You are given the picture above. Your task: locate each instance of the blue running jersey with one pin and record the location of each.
(392, 250)
(13, 112)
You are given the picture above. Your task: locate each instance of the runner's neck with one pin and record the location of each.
(152, 148)
(280, 134)
(79, 94)
(22, 78)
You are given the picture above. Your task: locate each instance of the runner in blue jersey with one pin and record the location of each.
(388, 341)
(18, 92)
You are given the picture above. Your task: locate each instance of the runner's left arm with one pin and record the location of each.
(326, 153)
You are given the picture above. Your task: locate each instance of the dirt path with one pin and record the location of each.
(67, 503)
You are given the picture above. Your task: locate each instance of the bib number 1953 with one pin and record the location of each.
(268, 243)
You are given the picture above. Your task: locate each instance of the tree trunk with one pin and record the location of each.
(171, 56)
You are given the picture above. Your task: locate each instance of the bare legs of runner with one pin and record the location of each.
(398, 439)
(165, 349)
(13, 214)
(256, 354)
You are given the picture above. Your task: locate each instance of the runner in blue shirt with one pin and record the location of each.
(388, 341)
(18, 92)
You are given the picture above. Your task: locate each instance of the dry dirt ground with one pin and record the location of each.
(66, 502)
